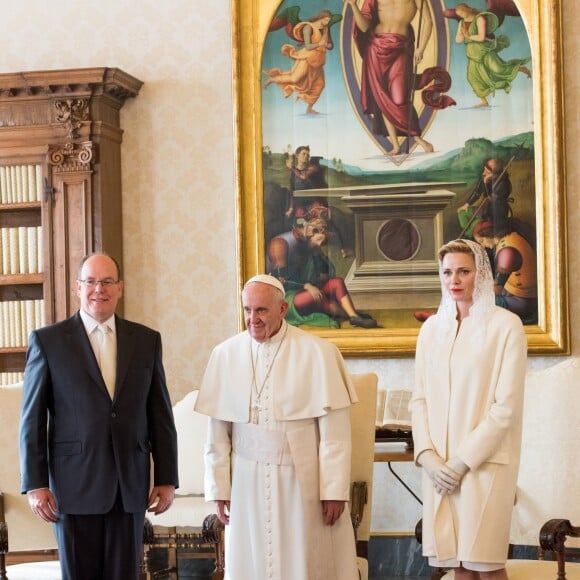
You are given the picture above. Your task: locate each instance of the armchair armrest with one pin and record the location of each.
(358, 500)
(213, 533)
(554, 533)
(212, 529)
(3, 539)
(553, 536)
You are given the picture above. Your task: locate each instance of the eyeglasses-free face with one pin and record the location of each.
(98, 288)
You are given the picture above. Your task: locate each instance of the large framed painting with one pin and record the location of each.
(371, 132)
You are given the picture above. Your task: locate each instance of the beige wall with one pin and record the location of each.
(179, 196)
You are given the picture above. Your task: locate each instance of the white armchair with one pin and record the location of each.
(362, 418)
(25, 540)
(186, 530)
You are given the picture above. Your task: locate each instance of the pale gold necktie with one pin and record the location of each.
(107, 357)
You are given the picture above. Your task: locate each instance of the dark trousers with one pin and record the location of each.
(102, 546)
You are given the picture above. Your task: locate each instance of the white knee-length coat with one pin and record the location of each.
(468, 403)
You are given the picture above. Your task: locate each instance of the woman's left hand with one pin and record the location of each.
(457, 465)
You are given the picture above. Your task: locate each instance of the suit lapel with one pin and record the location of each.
(125, 348)
(79, 342)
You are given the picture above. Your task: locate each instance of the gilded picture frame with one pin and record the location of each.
(253, 29)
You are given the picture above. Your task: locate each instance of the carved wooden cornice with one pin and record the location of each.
(64, 108)
(111, 82)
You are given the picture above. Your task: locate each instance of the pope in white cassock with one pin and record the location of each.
(277, 458)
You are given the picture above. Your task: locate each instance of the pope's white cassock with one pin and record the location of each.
(278, 444)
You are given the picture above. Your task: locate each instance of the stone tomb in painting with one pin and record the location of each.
(398, 229)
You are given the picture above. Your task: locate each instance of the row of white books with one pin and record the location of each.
(18, 318)
(10, 378)
(21, 250)
(20, 183)
(393, 409)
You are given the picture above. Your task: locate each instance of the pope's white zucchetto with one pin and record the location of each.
(266, 279)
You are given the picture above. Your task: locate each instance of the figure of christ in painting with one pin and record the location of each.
(486, 70)
(306, 77)
(385, 40)
(315, 295)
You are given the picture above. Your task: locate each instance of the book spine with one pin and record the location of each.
(13, 250)
(30, 322)
(24, 179)
(18, 192)
(38, 171)
(19, 338)
(23, 250)
(4, 326)
(39, 313)
(3, 185)
(12, 324)
(32, 241)
(4, 236)
(39, 267)
(11, 182)
(31, 182)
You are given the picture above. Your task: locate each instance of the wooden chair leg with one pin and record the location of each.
(172, 560)
(218, 572)
(213, 532)
(3, 545)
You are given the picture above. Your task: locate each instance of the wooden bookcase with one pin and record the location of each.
(65, 124)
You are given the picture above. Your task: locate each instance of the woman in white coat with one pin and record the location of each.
(467, 418)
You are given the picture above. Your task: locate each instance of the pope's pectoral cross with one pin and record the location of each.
(255, 409)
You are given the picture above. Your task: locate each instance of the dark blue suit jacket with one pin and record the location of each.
(77, 441)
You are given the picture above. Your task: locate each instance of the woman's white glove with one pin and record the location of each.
(445, 479)
(458, 466)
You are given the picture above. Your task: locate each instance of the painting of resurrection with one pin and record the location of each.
(389, 127)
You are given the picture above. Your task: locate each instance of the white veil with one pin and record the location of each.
(483, 295)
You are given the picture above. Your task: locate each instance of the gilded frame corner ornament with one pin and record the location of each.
(542, 20)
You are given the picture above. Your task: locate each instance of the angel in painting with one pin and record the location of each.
(486, 70)
(306, 77)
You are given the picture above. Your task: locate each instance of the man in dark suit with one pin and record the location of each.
(85, 453)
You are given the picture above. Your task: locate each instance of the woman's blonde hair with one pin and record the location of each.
(455, 247)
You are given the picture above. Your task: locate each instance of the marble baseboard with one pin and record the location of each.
(191, 563)
(394, 557)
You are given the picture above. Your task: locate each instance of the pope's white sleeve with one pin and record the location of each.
(334, 455)
(218, 450)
